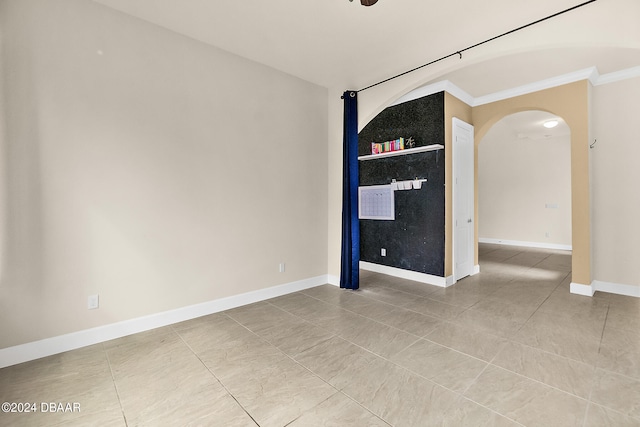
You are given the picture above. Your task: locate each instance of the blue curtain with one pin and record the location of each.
(349, 269)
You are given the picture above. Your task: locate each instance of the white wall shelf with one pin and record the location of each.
(402, 152)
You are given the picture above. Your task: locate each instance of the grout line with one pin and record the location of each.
(539, 382)
(214, 376)
(368, 351)
(115, 385)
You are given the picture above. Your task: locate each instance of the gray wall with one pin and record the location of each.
(148, 168)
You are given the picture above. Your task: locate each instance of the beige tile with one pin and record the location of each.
(598, 416)
(559, 262)
(407, 320)
(177, 385)
(293, 337)
(623, 302)
(496, 317)
(570, 322)
(521, 294)
(388, 295)
(337, 361)
(566, 374)
(501, 254)
(240, 357)
(623, 320)
(107, 418)
(81, 376)
(467, 339)
(456, 296)
(365, 306)
(400, 397)
(70, 366)
(526, 401)
(417, 288)
(449, 368)
(378, 338)
(259, 316)
(434, 308)
(200, 402)
(620, 352)
(617, 392)
(148, 353)
(339, 320)
(306, 307)
(526, 259)
(486, 281)
(560, 340)
(465, 413)
(288, 332)
(178, 374)
(149, 339)
(218, 335)
(409, 286)
(338, 410)
(278, 393)
(329, 293)
(577, 306)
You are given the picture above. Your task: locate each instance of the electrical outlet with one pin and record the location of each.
(383, 252)
(547, 234)
(93, 302)
(281, 267)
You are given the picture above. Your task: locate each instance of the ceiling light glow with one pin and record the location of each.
(550, 124)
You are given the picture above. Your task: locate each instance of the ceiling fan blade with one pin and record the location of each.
(368, 2)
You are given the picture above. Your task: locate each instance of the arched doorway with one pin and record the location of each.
(524, 192)
(570, 102)
(524, 182)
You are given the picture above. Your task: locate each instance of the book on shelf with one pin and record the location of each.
(387, 146)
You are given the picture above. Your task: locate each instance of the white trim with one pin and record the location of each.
(449, 281)
(608, 287)
(49, 346)
(456, 122)
(590, 74)
(407, 274)
(333, 280)
(525, 244)
(617, 76)
(616, 288)
(580, 289)
(441, 86)
(422, 149)
(476, 269)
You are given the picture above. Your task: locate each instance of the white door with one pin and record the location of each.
(463, 199)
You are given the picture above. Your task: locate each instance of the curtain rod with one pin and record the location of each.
(459, 52)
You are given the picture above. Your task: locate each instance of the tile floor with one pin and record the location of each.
(507, 347)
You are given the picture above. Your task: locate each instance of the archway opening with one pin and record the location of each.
(524, 197)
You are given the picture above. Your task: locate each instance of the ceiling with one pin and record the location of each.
(341, 44)
(529, 126)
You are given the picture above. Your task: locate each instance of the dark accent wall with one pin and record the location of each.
(415, 239)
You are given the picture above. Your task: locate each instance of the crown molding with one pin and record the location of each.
(423, 91)
(617, 76)
(590, 74)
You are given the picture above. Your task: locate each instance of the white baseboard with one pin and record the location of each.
(333, 280)
(50, 346)
(408, 274)
(526, 244)
(616, 288)
(580, 289)
(476, 269)
(608, 287)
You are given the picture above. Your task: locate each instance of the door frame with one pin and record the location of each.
(471, 242)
